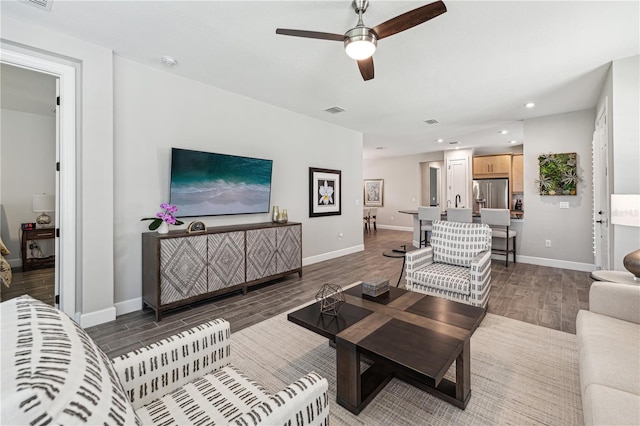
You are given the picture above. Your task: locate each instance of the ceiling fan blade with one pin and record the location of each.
(366, 68)
(409, 19)
(310, 34)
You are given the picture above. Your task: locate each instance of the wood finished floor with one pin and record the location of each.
(548, 297)
(38, 283)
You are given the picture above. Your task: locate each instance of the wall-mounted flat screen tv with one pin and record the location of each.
(209, 184)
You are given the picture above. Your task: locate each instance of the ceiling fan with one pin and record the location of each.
(360, 42)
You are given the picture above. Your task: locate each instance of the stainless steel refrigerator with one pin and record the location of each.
(491, 194)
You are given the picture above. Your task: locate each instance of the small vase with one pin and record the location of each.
(163, 228)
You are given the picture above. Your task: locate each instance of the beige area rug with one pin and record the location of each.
(522, 374)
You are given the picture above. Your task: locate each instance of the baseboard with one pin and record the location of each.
(15, 263)
(131, 305)
(98, 317)
(331, 255)
(555, 263)
(396, 228)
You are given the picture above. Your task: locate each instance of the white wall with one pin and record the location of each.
(27, 155)
(402, 186)
(625, 134)
(156, 110)
(568, 229)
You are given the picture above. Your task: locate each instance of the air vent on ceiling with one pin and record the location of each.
(431, 121)
(335, 110)
(40, 4)
(454, 143)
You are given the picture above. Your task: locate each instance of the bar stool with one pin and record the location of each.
(459, 215)
(499, 220)
(427, 215)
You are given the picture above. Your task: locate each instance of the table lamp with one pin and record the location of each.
(43, 204)
(625, 210)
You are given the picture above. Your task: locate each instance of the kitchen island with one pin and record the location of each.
(516, 225)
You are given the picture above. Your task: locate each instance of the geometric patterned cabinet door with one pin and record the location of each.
(226, 260)
(289, 248)
(183, 268)
(261, 253)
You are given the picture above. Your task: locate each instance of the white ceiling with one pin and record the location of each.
(472, 68)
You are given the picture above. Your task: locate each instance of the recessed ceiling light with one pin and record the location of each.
(504, 132)
(513, 141)
(530, 104)
(457, 147)
(168, 61)
(439, 140)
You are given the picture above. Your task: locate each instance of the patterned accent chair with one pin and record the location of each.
(54, 373)
(457, 265)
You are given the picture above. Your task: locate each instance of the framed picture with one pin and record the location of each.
(325, 192)
(373, 192)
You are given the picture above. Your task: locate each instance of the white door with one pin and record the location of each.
(601, 192)
(57, 205)
(457, 182)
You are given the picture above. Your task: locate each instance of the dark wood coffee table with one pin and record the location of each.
(408, 335)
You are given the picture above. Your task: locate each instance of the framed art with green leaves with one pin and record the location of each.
(558, 174)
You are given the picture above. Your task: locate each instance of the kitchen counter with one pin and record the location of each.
(516, 223)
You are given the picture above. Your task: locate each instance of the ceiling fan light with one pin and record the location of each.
(360, 43)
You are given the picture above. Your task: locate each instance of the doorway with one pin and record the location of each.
(29, 145)
(431, 180)
(64, 166)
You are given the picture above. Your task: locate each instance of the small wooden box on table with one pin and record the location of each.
(179, 268)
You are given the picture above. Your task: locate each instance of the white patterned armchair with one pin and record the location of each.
(53, 373)
(457, 265)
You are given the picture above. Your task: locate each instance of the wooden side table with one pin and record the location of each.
(29, 263)
(615, 277)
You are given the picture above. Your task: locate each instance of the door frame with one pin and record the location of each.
(66, 216)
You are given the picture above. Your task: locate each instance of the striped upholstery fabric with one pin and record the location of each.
(457, 266)
(53, 373)
(294, 405)
(458, 243)
(213, 399)
(165, 366)
(446, 277)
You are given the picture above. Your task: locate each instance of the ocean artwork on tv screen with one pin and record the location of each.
(209, 184)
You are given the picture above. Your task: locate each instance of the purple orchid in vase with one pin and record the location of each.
(167, 215)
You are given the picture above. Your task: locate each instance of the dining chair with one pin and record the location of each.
(366, 218)
(426, 216)
(373, 212)
(462, 215)
(499, 220)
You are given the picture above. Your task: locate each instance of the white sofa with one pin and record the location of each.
(609, 349)
(53, 373)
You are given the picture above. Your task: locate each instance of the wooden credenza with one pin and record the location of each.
(179, 268)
